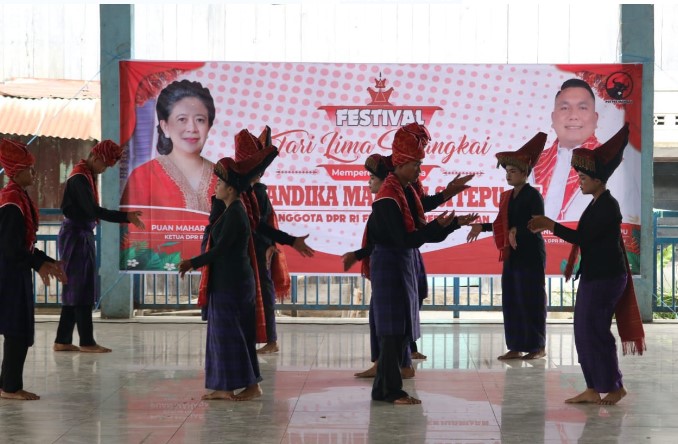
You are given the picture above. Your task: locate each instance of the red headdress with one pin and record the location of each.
(246, 144)
(108, 151)
(408, 143)
(14, 157)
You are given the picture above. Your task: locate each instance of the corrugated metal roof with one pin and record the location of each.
(50, 88)
(50, 108)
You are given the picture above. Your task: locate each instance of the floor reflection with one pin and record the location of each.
(148, 390)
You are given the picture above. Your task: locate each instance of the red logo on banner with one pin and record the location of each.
(379, 111)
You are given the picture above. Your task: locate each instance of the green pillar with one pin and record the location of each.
(115, 22)
(637, 46)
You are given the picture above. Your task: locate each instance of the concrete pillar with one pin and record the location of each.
(637, 46)
(115, 23)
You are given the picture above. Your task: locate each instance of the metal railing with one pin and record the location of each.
(349, 293)
(665, 233)
(166, 291)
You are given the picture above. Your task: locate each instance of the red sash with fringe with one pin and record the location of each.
(365, 262)
(249, 201)
(205, 273)
(500, 226)
(13, 194)
(280, 274)
(629, 322)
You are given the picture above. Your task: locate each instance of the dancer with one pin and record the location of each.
(523, 253)
(396, 236)
(272, 274)
(227, 286)
(606, 287)
(379, 167)
(77, 248)
(18, 257)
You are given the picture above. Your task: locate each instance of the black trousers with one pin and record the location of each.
(72, 315)
(388, 383)
(14, 354)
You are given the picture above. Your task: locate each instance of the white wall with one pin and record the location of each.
(394, 32)
(49, 41)
(62, 41)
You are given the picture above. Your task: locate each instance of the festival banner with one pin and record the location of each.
(326, 119)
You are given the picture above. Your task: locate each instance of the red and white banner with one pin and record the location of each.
(327, 118)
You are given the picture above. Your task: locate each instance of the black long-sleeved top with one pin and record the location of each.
(429, 203)
(521, 208)
(598, 235)
(78, 203)
(228, 255)
(16, 278)
(13, 240)
(265, 235)
(386, 226)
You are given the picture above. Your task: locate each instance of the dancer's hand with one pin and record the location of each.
(512, 238)
(444, 220)
(303, 249)
(185, 266)
(476, 229)
(50, 270)
(270, 251)
(349, 260)
(467, 219)
(540, 223)
(457, 185)
(134, 217)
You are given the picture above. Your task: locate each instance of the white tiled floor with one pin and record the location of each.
(148, 390)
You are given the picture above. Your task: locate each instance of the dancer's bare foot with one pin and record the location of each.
(94, 349)
(219, 394)
(21, 395)
(270, 347)
(510, 355)
(65, 347)
(417, 355)
(535, 355)
(587, 396)
(251, 392)
(369, 373)
(407, 400)
(407, 372)
(613, 397)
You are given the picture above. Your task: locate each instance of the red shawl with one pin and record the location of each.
(13, 194)
(543, 172)
(365, 262)
(205, 273)
(500, 226)
(279, 272)
(249, 200)
(81, 168)
(392, 189)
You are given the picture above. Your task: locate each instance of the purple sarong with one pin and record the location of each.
(524, 308)
(77, 250)
(231, 357)
(395, 294)
(596, 347)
